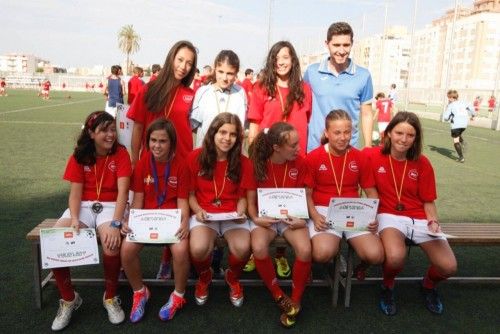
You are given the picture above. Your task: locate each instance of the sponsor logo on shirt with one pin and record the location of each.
(112, 166)
(293, 173)
(322, 167)
(381, 170)
(187, 98)
(413, 174)
(353, 166)
(172, 181)
(148, 180)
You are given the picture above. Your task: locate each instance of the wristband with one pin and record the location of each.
(430, 222)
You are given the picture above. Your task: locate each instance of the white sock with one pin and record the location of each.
(179, 294)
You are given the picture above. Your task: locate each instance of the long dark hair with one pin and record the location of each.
(208, 156)
(163, 124)
(269, 77)
(405, 116)
(84, 152)
(262, 146)
(161, 90)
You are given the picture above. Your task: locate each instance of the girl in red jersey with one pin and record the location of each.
(281, 95)
(216, 170)
(407, 190)
(277, 164)
(339, 170)
(160, 181)
(99, 171)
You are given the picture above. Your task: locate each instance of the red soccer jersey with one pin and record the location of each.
(109, 169)
(491, 103)
(356, 173)
(3, 83)
(179, 116)
(248, 87)
(134, 86)
(265, 111)
(46, 85)
(228, 191)
(419, 184)
(177, 183)
(153, 77)
(384, 107)
(196, 84)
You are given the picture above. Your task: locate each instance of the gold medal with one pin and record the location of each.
(216, 202)
(400, 207)
(97, 207)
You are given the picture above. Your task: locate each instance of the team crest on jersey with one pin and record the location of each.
(381, 170)
(322, 167)
(112, 166)
(293, 173)
(148, 180)
(413, 174)
(86, 169)
(353, 166)
(187, 98)
(172, 181)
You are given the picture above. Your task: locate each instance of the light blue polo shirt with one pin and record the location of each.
(348, 91)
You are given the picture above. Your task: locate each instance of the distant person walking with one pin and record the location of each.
(135, 84)
(491, 106)
(3, 90)
(393, 95)
(114, 90)
(458, 114)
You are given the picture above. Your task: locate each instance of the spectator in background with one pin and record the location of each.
(197, 81)
(491, 106)
(155, 69)
(393, 95)
(46, 89)
(477, 104)
(135, 84)
(3, 89)
(115, 90)
(383, 113)
(247, 83)
(207, 72)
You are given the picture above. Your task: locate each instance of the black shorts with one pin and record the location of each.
(457, 132)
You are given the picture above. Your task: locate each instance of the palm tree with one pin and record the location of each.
(128, 42)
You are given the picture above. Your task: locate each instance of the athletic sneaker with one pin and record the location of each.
(173, 304)
(287, 321)
(65, 311)
(235, 291)
(115, 312)
(387, 302)
(461, 159)
(139, 304)
(288, 306)
(201, 289)
(250, 266)
(282, 268)
(165, 271)
(432, 300)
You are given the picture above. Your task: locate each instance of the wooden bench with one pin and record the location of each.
(331, 271)
(465, 234)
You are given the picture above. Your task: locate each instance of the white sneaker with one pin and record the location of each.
(65, 311)
(115, 312)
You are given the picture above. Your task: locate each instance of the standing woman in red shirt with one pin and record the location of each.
(216, 170)
(99, 171)
(160, 181)
(407, 190)
(281, 95)
(169, 97)
(277, 164)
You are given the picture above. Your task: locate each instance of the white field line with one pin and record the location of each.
(49, 106)
(466, 135)
(35, 122)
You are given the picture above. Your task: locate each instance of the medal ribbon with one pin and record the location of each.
(337, 185)
(398, 193)
(217, 100)
(217, 195)
(284, 175)
(98, 187)
(171, 104)
(160, 198)
(281, 103)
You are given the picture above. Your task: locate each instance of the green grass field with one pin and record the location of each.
(38, 136)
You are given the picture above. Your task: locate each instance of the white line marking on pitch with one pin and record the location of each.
(48, 106)
(35, 122)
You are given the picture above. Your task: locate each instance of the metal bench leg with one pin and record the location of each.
(350, 260)
(336, 280)
(37, 265)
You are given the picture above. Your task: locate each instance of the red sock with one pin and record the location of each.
(235, 268)
(300, 274)
(63, 280)
(203, 268)
(111, 272)
(166, 255)
(390, 275)
(280, 252)
(432, 277)
(266, 271)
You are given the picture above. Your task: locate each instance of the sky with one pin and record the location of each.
(76, 33)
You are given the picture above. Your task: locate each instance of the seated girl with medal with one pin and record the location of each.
(407, 189)
(99, 172)
(277, 164)
(160, 181)
(216, 170)
(339, 170)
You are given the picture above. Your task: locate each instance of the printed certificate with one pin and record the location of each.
(62, 247)
(280, 202)
(425, 230)
(351, 214)
(224, 216)
(124, 125)
(154, 226)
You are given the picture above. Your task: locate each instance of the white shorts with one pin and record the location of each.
(382, 126)
(91, 219)
(279, 228)
(219, 227)
(323, 210)
(110, 110)
(386, 220)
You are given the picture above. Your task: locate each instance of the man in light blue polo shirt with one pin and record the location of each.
(338, 83)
